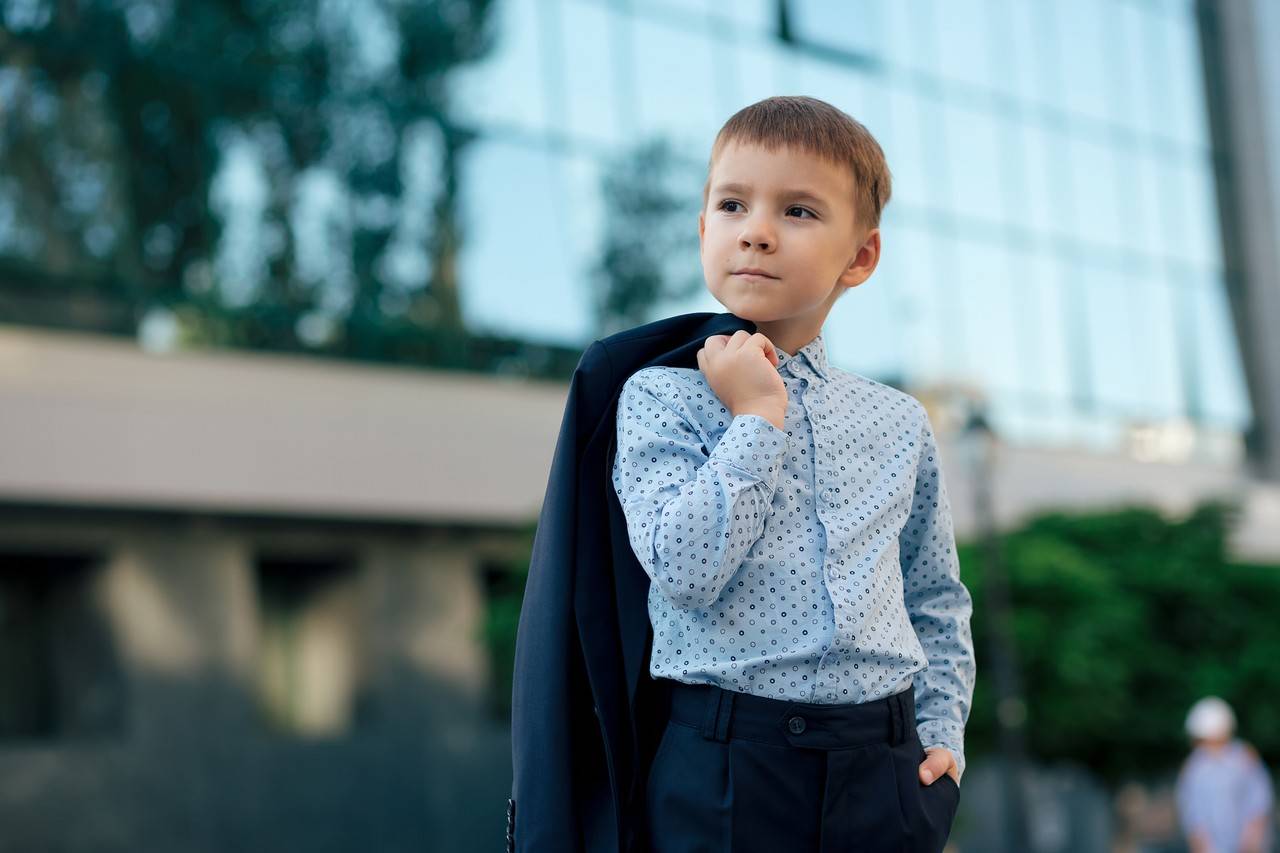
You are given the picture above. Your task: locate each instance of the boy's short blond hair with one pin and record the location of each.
(816, 127)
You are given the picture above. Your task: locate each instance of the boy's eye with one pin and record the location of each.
(789, 209)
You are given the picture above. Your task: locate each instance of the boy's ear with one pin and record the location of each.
(864, 261)
(702, 226)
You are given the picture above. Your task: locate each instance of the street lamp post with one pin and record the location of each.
(980, 441)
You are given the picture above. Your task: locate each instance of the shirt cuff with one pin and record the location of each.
(754, 446)
(931, 735)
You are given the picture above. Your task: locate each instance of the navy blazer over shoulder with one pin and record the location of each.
(584, 708)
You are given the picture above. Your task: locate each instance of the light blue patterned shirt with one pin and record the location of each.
(813, 564)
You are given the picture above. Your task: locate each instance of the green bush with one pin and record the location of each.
(1120, 621)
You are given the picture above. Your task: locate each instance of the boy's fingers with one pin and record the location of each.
(739, 338)
(767, 346)
(939, 761)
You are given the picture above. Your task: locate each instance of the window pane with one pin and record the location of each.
(752, 16)
(854, 27)
(584, 216)
(976, 161)
(1138, 202)
(1221, 380)
(1046, 321)
(589, 71)
(1189, 208)
(907, 267)
(1016, 52)
(673, 70)
(1115, 366)
(837, 84)
(1157, 387)
(1097, 205)
(1083, 70)
(922, 257)
(865, 328)
(508, 86)
(981, 279)
(918, 177)
(758, 67)
(1133, 27)
(1050, 196)
(517, 270)
(1183, 77)
(1205, 244)
(963, 36)
(910, 37)
(1133, 340)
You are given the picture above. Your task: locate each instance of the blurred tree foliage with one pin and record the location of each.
(267, 173)
(650, 236)
(278, 174)
(1122, 620)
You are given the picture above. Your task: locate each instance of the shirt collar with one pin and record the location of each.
(814, 353)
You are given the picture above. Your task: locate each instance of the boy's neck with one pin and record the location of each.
(789, 336)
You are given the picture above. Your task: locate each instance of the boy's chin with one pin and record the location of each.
(755, 315)
(746, 311)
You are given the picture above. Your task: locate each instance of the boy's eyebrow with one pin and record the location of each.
(788, 193)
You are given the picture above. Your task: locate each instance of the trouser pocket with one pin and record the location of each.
(928, 811)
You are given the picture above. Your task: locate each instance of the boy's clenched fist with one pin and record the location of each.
(742, 370)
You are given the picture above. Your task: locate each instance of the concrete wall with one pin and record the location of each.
(194, 763)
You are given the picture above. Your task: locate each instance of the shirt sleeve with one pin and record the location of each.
(692, 515)
(1190, 799)
(939, 606)
(1259, 795)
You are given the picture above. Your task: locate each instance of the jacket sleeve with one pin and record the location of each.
(939, 606)
(692, 515)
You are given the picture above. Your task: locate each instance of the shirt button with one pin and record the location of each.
(796, 724)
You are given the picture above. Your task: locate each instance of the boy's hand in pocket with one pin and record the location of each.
(939, 761)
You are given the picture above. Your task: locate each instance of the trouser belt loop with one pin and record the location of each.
(715, 724)
(726, 711)
(896, 721)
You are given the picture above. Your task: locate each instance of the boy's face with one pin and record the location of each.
(790, 214)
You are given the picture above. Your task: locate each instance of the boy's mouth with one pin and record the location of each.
(753, 273)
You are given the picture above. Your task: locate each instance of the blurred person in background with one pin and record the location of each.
(1224, 792)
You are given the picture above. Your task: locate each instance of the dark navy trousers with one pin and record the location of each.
(743, 773)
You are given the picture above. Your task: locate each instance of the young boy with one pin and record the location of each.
(807, 610)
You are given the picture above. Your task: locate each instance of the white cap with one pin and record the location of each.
(1210, 718)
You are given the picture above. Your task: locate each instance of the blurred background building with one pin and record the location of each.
(290, 292)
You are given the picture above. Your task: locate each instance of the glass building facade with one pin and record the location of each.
(1052, 239)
